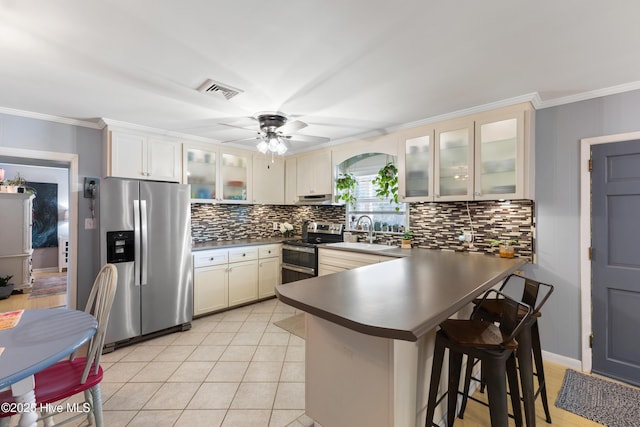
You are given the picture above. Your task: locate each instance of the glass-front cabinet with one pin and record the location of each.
(500, 157)
(453, 166)
(217, 175)
(235, 177)
(415, 165)
(485, 156)
(200, 170)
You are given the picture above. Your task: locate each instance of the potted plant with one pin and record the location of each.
(5, 287)
(387, 183)
(16, 185)
(346, 186)
(407, 237)
(505, 247)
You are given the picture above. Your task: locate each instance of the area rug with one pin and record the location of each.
(604, 402)
(294, 325)
(45, 286)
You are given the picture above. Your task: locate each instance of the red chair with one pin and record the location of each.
(78, 374)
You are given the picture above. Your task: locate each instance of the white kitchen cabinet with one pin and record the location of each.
(216, 175)
(314, 174)
(486, 156)
(137, 156)
(504, 155)
(201, 172)
(268, 180)
(291, 181)
(333, 261)
(235, 176)
(454, 161)
(210, 281)
(269, 270)
(210, 289)
(415, 165)
(15, 250)
(230, 277)
(243, 275)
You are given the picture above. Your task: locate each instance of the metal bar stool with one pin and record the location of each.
(528, 343)
(494, 345)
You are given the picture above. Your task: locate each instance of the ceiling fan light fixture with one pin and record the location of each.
(273, 143)
(263, 147)
(282, 148)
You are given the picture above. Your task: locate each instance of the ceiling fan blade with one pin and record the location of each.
(253, 138)
(308, 138)
(291, 127)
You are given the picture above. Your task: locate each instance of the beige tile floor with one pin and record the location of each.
(231, 369)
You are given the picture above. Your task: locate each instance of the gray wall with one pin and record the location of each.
(33, 134)
(558, 133)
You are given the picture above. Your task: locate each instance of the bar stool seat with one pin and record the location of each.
(529, 341)
(492, 344)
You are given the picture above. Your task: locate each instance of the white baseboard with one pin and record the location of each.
(562, 360)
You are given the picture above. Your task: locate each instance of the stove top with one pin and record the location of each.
(317, 233)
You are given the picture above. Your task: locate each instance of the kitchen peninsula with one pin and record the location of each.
(370, 332)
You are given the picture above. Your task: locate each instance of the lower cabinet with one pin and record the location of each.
(210, 289)
(229, 277)
(334, 261)
(243, 282)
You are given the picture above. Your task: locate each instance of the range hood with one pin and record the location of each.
(316, 199)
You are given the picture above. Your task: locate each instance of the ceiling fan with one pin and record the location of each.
(276, 130)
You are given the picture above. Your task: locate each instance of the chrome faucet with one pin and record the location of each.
(370, 237)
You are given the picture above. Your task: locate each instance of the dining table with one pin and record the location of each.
(39, 339)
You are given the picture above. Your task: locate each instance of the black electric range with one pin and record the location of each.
(300, 257)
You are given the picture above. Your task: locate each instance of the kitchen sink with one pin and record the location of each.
(361, 246)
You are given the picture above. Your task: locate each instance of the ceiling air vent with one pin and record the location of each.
(211, 86)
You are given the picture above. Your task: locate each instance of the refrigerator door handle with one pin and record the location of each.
(144, 228)
(136, 242)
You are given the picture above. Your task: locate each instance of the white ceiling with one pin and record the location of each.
(344, 67)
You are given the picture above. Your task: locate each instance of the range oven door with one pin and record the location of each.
(292, 273)
(298, 262)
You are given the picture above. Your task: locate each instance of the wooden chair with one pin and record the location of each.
(492, 344)
(78, 374)
(528, 339)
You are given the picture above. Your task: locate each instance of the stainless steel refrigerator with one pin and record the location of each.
(145, 231)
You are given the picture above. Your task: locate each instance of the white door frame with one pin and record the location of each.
(585, 237)
(72, 161)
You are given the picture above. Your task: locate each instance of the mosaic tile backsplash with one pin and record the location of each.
(435, 225)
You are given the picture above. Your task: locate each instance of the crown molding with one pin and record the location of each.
(583, 96)
(104, 122)
(50, 118)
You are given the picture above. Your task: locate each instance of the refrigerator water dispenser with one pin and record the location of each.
(120, 246)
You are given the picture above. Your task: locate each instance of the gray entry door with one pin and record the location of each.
(615, 230)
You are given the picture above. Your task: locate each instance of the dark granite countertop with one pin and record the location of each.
(392, 252)
(399, 299)
(220, 244)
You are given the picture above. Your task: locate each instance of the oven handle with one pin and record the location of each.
(299, 269)
(299, 249)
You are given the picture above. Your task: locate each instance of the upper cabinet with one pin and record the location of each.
(415, 165)
(503, 156)
(290, 181)
(218, 175)
(453, 166)
(235, 176)
(314, 174)
(487, 156)
(130, 155)
(201, 171)
(268, 180)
